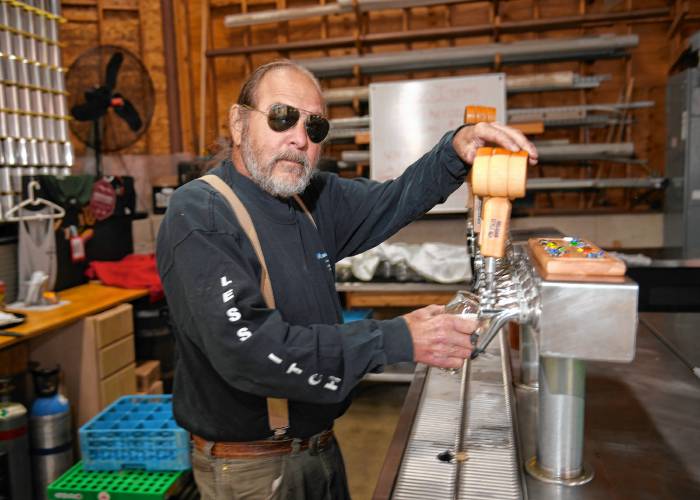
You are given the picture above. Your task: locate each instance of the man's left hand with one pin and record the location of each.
(468, 139)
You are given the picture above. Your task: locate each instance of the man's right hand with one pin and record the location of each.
(440, 339)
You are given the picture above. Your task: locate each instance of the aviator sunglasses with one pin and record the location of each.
(282, 117)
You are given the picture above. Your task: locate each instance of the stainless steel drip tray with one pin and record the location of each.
(492, 470)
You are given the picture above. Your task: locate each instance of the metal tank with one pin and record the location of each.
(50, 431)
(14, 466)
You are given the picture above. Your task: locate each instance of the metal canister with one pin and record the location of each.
(30, 41)
(3, 107)
(54, 154)
(44, 153)
(15, 17)
(6, 193)
(32, 168)
(49, 98)
(5, 40)
(54, 50)
(14, 443)
(50, 431)
(37, 102)
(66, 156)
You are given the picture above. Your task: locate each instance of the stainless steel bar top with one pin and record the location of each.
(642, 436)
(680, 332)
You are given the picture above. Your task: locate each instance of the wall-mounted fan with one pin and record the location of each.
(111, 99)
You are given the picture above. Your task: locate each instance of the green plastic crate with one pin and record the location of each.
(79, 484)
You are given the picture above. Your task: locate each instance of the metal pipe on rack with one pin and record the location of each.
(345, 95)
(340, 7)
(553, 115)
(475, 55)
(540, 82)
(346, 133)
(547, 153)
(351, 122)
(276, 16)
(559, 80)
(562, 112)
(557, 183)
(657, 15)
(582, 152)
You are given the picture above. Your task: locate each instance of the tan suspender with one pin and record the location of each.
(247, 224)
(277, 408)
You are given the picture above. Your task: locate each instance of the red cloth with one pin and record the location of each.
(133, 271)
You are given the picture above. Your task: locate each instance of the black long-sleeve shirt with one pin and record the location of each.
(233, 351)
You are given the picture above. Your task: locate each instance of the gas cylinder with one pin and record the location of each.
(50, 430)
(14, 447)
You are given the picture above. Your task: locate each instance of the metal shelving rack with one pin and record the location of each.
(582, 47)
(33, 117)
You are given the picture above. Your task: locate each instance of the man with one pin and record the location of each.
(235, 351)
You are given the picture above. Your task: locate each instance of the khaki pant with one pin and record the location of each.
(312, 474)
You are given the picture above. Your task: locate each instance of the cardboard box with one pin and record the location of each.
(120, 384)
(156, 388)
(147, 373)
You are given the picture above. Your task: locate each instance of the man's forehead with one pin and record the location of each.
(289, 86)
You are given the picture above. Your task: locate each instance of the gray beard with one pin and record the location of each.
(262, 175)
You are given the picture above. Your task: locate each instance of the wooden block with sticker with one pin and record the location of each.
(573, 257)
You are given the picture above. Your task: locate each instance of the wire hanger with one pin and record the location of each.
(34, 202)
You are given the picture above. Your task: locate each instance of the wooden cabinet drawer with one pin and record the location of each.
(115, 356)
(111, 325)
(119, 384)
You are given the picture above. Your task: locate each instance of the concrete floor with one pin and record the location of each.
(365, 432)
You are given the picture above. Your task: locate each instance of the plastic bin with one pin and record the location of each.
(135, 432)
(350, 315)
(116, 485)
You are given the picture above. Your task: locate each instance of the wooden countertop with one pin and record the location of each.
(84, 300)
(395, 294)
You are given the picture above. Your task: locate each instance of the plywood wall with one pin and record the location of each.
(137, 25)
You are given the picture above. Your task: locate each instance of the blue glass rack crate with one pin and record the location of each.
(135, 432)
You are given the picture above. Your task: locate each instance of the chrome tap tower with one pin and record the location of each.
(565, 320)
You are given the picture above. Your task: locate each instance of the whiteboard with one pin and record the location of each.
(408, 118)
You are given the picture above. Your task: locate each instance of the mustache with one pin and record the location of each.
(295, 156)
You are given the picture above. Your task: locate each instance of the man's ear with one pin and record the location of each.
(235, 120)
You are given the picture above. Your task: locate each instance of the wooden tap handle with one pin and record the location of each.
(517, 174)
(480, 171)
(476, 114)
(498, 173)
(476, 214)
(495, 220)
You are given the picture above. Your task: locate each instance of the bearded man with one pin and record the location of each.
(265, 364)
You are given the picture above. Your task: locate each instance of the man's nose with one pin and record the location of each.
(299, 137)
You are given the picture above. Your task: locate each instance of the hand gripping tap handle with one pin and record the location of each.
(472, 116)
(501, 176)
(498, 175)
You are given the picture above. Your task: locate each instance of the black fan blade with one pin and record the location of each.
(127, 111)
(113, 66)
(88, 111)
